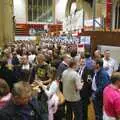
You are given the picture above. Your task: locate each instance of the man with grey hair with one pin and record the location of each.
(63, 65)
(22, 106)
(97, 55)
(110, 64)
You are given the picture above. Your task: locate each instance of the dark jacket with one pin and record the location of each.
(102, 79)
(60, 70)
(25, 75)
(86, 91)
(15, 60)
(30, 111)
(8, 76)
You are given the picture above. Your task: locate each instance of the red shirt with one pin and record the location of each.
(111, 101)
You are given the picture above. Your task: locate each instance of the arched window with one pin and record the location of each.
(117, 16)
(40, 10)
(90, 2)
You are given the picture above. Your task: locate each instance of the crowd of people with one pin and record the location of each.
(51, 81)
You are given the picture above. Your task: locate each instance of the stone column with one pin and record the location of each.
(6, 21)
(114, 14)
(53, 10)
(68, 7)
(1, 24)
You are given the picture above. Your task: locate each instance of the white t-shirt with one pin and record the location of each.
(106, 117)
(31, 58)
(19, 57)
(94, 87)
(26, 67)
(110, 65)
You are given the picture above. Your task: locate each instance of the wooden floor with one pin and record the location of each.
(91, 115)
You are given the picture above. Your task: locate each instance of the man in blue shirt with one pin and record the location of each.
(100, 81)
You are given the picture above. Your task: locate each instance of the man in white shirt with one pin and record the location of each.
(109, 64)
(31, 57)
(25, 71)
(86, 76)
(25, 63)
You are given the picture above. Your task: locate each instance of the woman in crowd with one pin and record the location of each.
(53, 99)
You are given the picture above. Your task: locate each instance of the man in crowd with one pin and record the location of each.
(24, 71)
(97, 55)
(71, 87)
(86, 76)
(100, 81)
(6, 72)
(111, 99)
(15, 60)
(109, 63)
(31, 57)
(42, 74)
(42, 69)
(89, 61)
(63, 65)
(21, 106)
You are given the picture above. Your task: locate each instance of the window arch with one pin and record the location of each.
(40, 10)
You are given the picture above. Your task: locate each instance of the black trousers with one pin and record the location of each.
(74, 107)
(60, 114)
(85, 104)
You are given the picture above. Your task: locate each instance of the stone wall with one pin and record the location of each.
(20, 10)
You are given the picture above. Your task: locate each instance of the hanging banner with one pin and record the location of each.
(73, 22)
(89, 22)
(80, 48)
(108, 14)
(25, 38)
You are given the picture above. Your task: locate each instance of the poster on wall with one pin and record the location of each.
(108, 13)
(26, 38)
(80, 48)
(73, 22)
(85, 40)
(84, 44)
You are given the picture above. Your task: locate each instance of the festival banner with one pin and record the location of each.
(108, 14)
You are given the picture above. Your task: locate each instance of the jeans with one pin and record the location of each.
(74, 107)
(98, 106)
